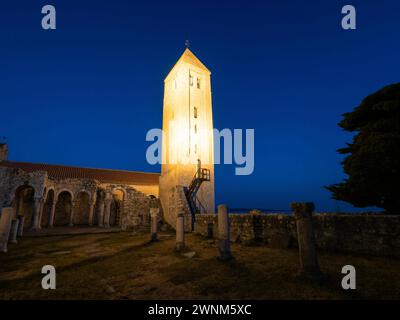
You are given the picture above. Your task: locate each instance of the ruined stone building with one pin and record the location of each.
(50, 195)
(53, 195)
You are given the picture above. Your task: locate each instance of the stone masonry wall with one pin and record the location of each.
(177, 203)
(346, 233)
(11, 179)
(136, 209)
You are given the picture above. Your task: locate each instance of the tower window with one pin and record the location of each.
(191, 80)
(195, 128)
(195, 112)
(198, 83)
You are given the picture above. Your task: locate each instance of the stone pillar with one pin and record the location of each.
(154, 222)
(14, 231)
(71, 217)
(180, 232)
(224, 243)
(305, 236)
(52, 214)
(36, 213)
(107, 213)
(91, 212)
(5, 226)
(21, 223)
(41, 209)
(101, 213)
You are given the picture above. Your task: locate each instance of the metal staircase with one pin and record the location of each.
(195, 205)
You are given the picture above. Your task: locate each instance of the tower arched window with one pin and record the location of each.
(195, 112)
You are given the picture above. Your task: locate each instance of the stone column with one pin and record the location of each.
(101, 213)
(36, 213)
(107, 213)
(5, 226)
(21, 223)
(180, 232)
(305, 236)
(154, 222)
(52, 214)
(71, 217)
(41, 208)
(14, 231)
(224, 243)
(91, 212)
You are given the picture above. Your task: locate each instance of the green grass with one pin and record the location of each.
(126, 266)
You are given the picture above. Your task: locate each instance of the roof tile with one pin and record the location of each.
(103, 175)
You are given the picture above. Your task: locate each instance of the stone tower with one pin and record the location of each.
(187, 144)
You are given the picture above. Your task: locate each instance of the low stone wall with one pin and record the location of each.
(345, 233)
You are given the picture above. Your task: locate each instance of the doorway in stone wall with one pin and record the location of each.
(24, 203)
(63, 209)
(116, 207)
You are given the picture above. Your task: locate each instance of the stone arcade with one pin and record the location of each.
(52, 195)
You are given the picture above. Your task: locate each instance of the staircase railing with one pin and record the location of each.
(202, 174)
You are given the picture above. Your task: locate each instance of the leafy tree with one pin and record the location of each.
(373, 158)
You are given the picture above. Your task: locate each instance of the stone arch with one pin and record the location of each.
(120, 191)
(81, 208)
(63, 208)
(47, 205)
(23, 203)
(47, 190)
(65, 190)
(84, 191)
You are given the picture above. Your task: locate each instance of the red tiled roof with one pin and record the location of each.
(103, 175)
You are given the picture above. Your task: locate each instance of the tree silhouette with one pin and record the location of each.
(373, 158)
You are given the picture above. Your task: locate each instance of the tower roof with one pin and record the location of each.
(189, 58)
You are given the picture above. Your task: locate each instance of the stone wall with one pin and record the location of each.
(177, 203)
(136, 209)
(11, 179)
(372, 234)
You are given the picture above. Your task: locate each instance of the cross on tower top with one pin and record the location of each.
(187, 43)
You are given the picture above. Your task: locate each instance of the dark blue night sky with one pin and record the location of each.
(87, 93)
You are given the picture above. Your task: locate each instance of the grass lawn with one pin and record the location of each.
(127, 266)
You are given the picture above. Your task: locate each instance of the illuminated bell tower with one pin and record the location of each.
(187, 172)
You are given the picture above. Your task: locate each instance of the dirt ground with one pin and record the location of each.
(128, 266)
